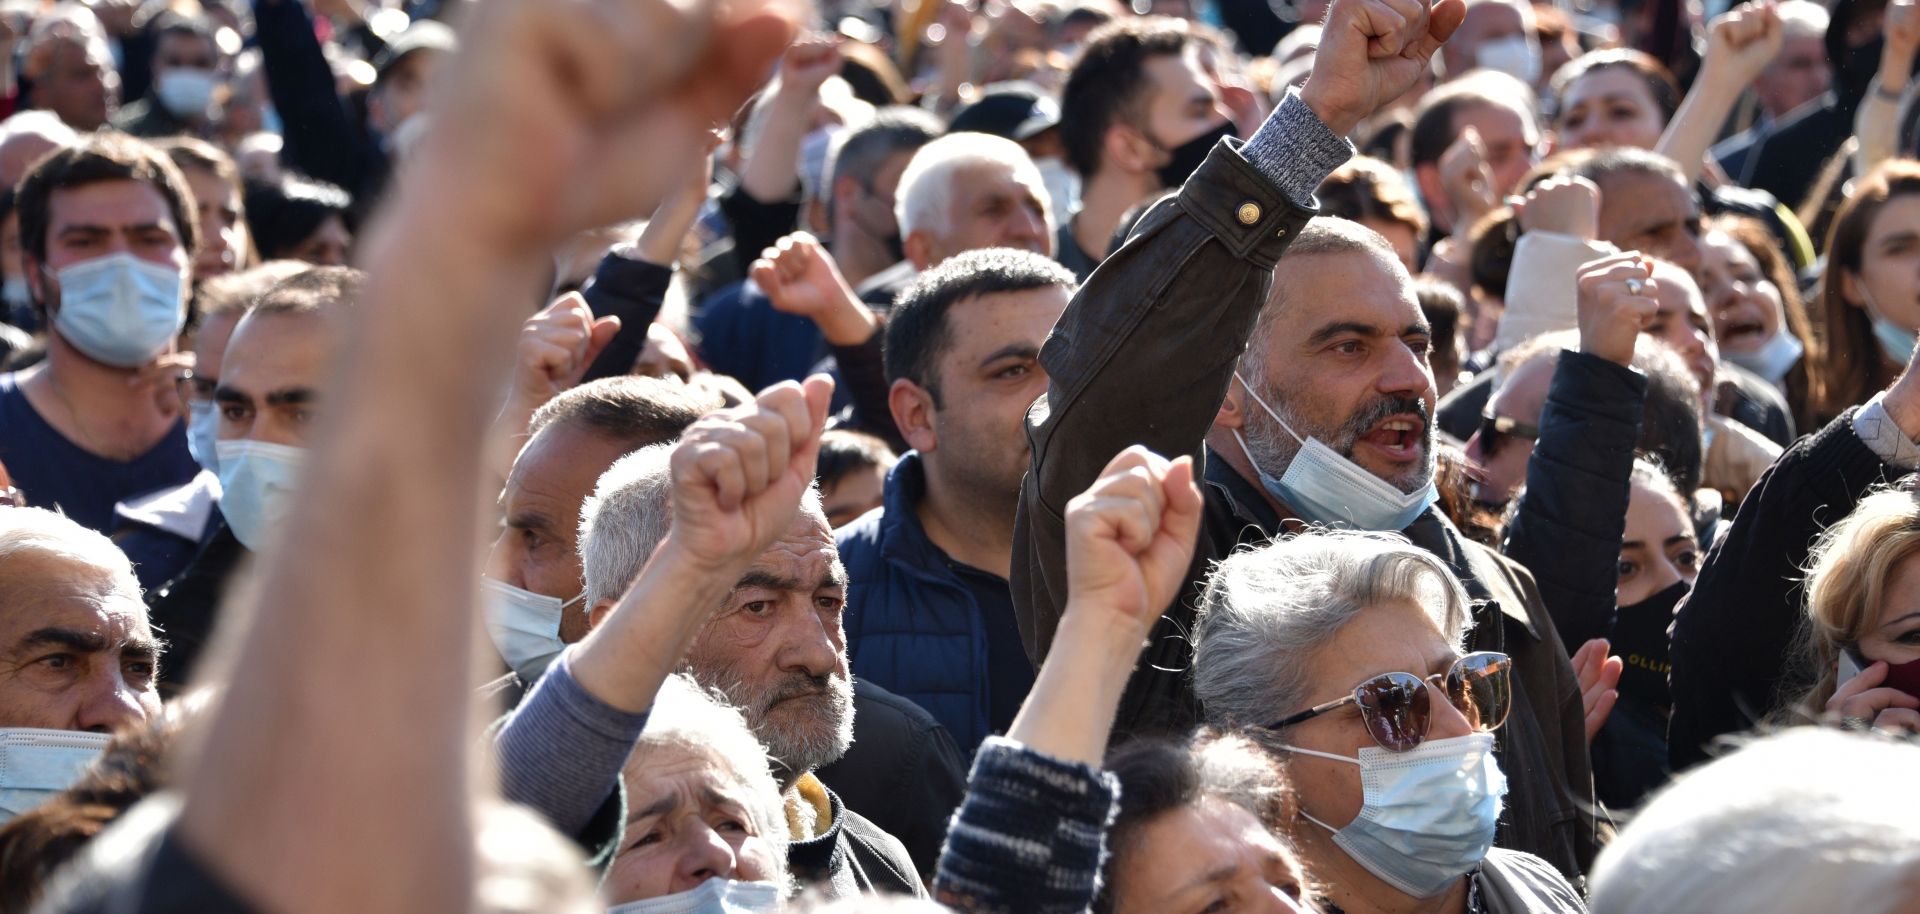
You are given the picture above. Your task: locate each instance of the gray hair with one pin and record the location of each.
(1267, 609)
(628, 515)
(48, 534)
(1320, 236)
(1807, 819)
(924, 199)
(687, 717)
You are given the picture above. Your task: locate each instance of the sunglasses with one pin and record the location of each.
(1398, 708)
(1495, 430)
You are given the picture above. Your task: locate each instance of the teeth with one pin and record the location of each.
(1398, 425)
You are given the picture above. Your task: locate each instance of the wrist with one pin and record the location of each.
(849, 325)
(1336, 118)
(1100, 631)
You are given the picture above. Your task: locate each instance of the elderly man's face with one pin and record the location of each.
(76, 652)
(1497, 461)
(1345, 362)
(78, 85)
(1651, 213)
(777, 650)
(553, 475)
(688, 821)
(992, 207)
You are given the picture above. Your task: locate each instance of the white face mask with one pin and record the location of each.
(1427, 816)
(119, 310)
(525, 626)
(186, 93)
(257, 482)
(1063, 187)
(1325, 488)
(1513, 55)
(1773, 359)
(35, 764)
(715, 896)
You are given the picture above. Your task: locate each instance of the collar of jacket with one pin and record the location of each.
(903, 541)
(1431, 531)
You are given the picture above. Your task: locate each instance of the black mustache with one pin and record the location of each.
(1381, 409)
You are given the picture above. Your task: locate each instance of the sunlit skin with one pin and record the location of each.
(102, 218)
(1746, 307)
(1391, 636)
(1659, 548)
(1888, 282)
(1894, 634)
(1184, 103)
(1211, 857)
(1609, 106)
(223, 233)
(1485, 22)
(991, 207)
(1510, 138)
(853, 494)
(1498, 471)
(540, 508)
(1654, 214)
(271, 376)
(1681, 322)
(687, 822)
(76, 651)
(1798, 75)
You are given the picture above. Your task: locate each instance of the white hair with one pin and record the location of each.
(628, 515)
(687, 717)
(1807, 819)
(1803, 19)
(38, 532)
(41, 123)
(1267, 609)
(924, 199)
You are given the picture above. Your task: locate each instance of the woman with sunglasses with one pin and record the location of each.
(1342, 653)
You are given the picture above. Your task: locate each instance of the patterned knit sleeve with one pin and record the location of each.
(1030, 837)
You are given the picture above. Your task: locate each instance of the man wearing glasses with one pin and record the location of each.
(1301, 384)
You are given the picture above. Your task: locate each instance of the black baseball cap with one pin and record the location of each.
(1017, 110)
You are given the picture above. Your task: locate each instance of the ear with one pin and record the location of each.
(1233, 409)
(598, 612)
(1850, 289)
(912, 408)
(1129, 150)
(846, 192)
(816, 218)
(37, 283)
(919, 248)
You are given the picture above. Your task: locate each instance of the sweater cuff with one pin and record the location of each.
(1880, 434)
(1295, 151)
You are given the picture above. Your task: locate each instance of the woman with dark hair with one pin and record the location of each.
(1616, 97)
(298, 218)
(1869, 299)
(225, 244)
(1759, 321)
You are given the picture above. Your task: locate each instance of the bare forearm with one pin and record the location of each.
(624, 660)
(343, 743)
(773, 166)
(1695, 126)
(1070, 711)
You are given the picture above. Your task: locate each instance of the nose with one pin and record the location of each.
(707, 856)
(1406, 373)
(1663, 574)
(1028, 228)
(811, 646)
(111, 704)
(503, 560)
(1686, 252)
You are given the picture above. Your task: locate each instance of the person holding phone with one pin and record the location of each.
(1863, 613)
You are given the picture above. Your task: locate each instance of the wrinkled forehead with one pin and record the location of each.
(41, 589)
(805, 556)
(668, 775)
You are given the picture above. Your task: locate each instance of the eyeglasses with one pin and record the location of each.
(1397, 707)
(1495, 430)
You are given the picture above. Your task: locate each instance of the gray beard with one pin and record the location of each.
(815, 729)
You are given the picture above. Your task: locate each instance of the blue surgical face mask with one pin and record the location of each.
(36, 764)
(119, 310)
(1323, 487)
(257, 482)
(1896, 341)
(524, 625)
(715, 896)
(1773, 359)
(203, 430)
(1428, 814)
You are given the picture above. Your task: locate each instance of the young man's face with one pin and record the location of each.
(105, 218)
(1181, 104)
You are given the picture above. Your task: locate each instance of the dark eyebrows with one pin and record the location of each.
(292, 396)
(1898, 238)
(1681, 538)
(225, 394)
(70, 638)
(1012, 350)
(1339, 328)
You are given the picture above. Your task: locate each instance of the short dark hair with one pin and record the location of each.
(1670, 420)
(98, 158)
(917, 330)
(1108, 80)
(168, 22)
(1659, 80)
(1441, 304)
(234, 293)
(863, 151)
(284, 213)
(634, 411)
(1603, 164)
(1433, 123)
(844, 450)
(1368, 188)
(312, 289)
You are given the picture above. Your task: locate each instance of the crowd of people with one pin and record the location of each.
(1055, 456)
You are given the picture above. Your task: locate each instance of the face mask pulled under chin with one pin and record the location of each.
(35, 764)
(1323, 487)
(715, 896)
(1187, 157)
(1896, 341)
(1773, 359)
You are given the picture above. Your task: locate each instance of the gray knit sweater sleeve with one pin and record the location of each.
(562, 750)
(1295, 151)
(1030, 836)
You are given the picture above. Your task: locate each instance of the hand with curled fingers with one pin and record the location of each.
(1864, 703)
(556, 346)
(1468, 178)
(808, 63)
(1743, 41)
(738, 474)
(1567, 205)
(1617, 300)
(1130, 538)
(800, 277)
(1371, 52)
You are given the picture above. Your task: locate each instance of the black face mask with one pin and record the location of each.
(1639, 639)
(1186, 157)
